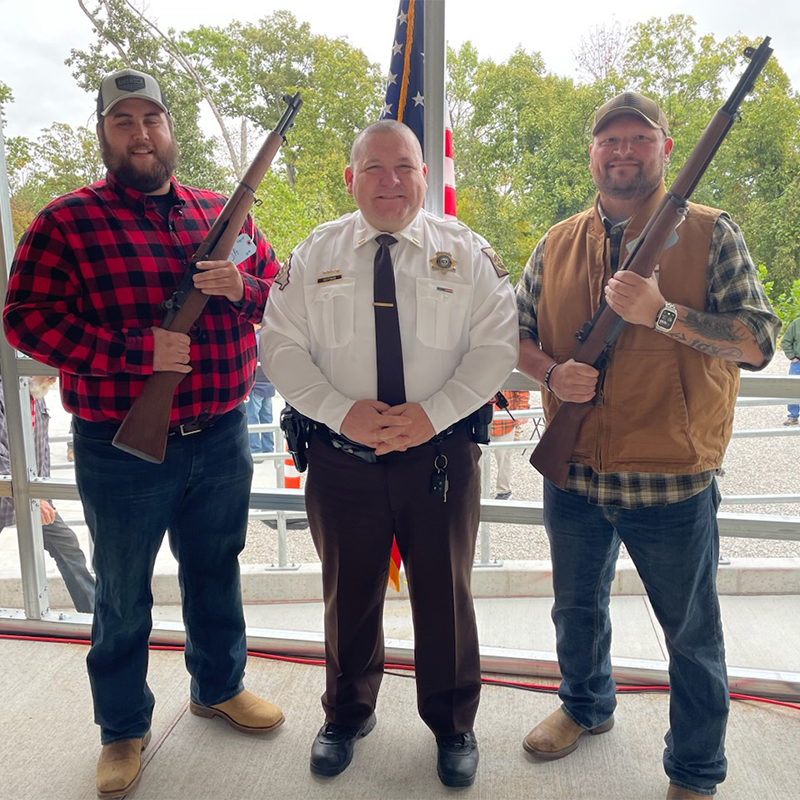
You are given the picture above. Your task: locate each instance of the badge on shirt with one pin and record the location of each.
(497, 262)
(243, 248)
(282, 278)
(444, 262)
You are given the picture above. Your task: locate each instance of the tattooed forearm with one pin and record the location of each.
(712, 349)
(713, 327)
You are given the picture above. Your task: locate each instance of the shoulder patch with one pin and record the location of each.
(497, 262)
(282, 278)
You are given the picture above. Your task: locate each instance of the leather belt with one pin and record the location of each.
(195, 426)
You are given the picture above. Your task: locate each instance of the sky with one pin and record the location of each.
(37, 35)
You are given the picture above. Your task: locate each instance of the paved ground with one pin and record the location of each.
(52, 746)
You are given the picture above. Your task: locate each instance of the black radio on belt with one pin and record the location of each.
(479, 423)
(297, 429)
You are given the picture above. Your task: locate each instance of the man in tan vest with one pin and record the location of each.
(643, 469)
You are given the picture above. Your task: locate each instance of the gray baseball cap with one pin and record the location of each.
(128, 83)
(631, 103)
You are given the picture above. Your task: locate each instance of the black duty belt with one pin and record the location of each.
(367, 454)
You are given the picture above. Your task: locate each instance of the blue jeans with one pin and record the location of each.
(675, 549)
(200, 494)
(793, 409)
(62, 544)
(259, 412)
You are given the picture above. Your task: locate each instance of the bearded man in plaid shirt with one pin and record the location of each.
(644, 465)
(84, 296)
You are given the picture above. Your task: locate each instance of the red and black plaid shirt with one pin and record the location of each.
(85, 287)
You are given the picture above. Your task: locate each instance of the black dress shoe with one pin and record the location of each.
(332, 750)
(458, 759)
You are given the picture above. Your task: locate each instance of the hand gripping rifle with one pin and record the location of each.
(144, 430)
(598, 336)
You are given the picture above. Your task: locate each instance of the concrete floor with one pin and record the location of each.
(50, 745)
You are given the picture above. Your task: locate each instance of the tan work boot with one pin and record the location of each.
(677, 793)
(245, 712)
(557, 736)
(119, 767)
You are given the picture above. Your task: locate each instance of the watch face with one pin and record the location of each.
(666, 319)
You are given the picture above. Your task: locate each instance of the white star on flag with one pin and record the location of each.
(402, 18)
(387, 109)
(397, 49)
(391, 79)
(418, 99)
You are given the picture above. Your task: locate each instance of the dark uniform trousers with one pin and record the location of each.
(354, 509)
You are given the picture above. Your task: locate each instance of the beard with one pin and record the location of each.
(144, 180)
(642, 184)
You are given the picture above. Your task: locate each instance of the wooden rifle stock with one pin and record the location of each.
(553, 453)
(144, 430)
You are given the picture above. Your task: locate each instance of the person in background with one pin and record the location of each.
(790, 344)
(506, 429)
(258, 408)
(60, 540)
(85, 296)
(643, 469)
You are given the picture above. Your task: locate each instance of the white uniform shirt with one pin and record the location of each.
(459, 328)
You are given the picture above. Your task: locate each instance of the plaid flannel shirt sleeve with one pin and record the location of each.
(258, 273)
(40, 316)
(528, 290)
(734, 288)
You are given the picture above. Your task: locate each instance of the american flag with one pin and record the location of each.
(405, 101)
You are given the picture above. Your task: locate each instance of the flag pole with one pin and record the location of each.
(434, 92)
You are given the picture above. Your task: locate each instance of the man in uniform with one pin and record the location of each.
(84, 296)
(391, 327)
(643, 470)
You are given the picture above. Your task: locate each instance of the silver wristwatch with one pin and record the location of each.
(666, 318)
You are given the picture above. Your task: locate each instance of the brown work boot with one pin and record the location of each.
(557, 736)
(119, 767)
(677, 793)
(245, 712)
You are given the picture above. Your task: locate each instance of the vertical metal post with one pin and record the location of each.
(20, 434)
(434, 83)
(486, 491)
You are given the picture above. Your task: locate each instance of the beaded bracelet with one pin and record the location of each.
(548, 374)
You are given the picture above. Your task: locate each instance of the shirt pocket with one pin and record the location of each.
(441, 309)
(330, 311)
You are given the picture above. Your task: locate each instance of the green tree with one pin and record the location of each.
(126, 39)
(755, 175)
(60, 160)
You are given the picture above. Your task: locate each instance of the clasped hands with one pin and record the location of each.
(387, 428)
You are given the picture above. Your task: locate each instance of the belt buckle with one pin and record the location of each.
(184, 432)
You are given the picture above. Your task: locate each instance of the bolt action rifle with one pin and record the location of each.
(144, 430)
(597, 337)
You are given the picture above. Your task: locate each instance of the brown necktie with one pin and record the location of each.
(389, 350)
